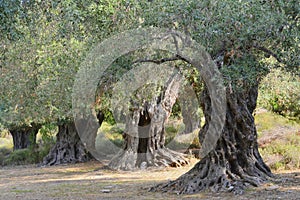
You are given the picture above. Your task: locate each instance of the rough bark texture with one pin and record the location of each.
(235, 162)
(144, 137)
(24, 137)
(68, 147)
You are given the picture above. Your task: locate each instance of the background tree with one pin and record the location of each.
(43, 45)
(18, 82)
(85, 23)
(147, 111)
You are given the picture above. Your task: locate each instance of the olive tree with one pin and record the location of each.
(18, 82)
(245, 39)
(43, 45)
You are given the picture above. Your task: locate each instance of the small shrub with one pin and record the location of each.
(116, 130)
(280, 93)
(116, 139)
(196, 143)
(46, 135)
(19, 157)
(6, 147)
(30, 155)
(33, 154)
(108, 143)
(171, 131)
(4, 153)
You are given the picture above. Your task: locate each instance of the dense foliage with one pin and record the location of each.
(44, 42)
(43, 45)
(280, 93)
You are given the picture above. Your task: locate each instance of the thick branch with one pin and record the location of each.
(160, 61)
(268, 51)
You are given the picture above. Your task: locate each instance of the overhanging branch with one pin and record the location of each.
(268, 51)
(160, 61)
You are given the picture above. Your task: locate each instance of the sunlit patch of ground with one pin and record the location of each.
(93, 180)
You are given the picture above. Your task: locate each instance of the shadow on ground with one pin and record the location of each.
(93, 180)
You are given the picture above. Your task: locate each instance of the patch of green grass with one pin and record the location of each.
(106, 127)
(267, 120)
(283, 152)
(22, 191)
(113, 133)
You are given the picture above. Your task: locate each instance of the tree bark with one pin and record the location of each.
(68, 147)
(235, 162)
(144, 137)
(24, 137)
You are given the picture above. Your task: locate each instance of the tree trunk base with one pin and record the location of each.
(25, 137)
(68, 147)
(209, 175)
(235, 162)
(129, 160)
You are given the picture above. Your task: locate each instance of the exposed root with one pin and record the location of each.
(129, 160)
(235, 162)
(68, 147)
(124, 160)
(207, 175)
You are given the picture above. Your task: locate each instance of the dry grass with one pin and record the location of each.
(279, 140)
(93, 180)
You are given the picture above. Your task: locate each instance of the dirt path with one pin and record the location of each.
(93, 181)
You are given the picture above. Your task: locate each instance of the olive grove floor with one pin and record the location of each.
(93, 180)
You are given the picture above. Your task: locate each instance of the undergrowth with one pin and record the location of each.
(282, 152)
(286, 152)
(32, 155)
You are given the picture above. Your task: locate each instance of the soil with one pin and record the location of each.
(93, 180)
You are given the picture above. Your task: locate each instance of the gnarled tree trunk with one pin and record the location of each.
(24, 137)
(68, 147)
(235, 162)
(144, 137)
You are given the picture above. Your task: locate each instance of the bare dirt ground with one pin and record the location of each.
(93, 180)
